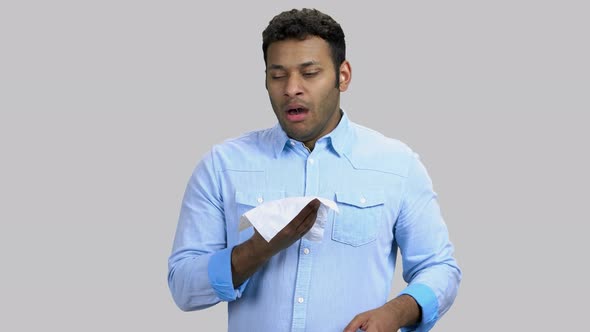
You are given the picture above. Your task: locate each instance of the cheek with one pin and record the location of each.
(328, 97)
(274, 102)
(325, 88)
(273, 91)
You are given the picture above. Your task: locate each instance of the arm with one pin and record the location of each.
(430, 270)
(200, 235)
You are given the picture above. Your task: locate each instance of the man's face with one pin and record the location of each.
(301, 84)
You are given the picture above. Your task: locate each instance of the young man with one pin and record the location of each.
(383, 192)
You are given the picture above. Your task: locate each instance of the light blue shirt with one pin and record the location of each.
(386, 202)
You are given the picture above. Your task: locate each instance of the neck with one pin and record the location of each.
(309, 145)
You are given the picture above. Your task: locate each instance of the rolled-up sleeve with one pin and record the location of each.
(429, 268)
(199, 267)
(220, 276)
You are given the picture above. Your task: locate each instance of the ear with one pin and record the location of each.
(345, 75)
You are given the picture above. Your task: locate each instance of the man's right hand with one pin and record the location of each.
(247, 257)
(291, 233)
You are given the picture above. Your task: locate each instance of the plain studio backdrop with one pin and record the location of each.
(107, 106)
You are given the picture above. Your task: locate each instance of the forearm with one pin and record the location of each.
(406, 309)
(246, 259)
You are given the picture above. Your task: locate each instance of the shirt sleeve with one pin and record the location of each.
(199, 267)
(220, 276)
(429, 267)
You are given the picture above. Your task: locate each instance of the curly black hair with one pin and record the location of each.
(300, 24)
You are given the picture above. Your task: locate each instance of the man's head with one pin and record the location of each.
(305, 72)
(300, 24)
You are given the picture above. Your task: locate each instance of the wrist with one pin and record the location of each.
(246, 258)
(405, 309)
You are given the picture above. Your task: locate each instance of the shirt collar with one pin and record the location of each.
(279, 139)
(340, 138)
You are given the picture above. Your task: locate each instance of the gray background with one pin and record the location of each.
(106, 107)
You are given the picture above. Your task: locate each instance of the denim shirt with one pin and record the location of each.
(386, 203)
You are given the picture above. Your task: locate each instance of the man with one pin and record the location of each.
(383, 192)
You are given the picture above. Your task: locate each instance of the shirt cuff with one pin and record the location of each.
(428, 302)
(220, 276)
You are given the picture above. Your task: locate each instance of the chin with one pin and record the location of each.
(297, 135)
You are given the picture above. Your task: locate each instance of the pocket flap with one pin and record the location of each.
(361, 199)
(255, 198)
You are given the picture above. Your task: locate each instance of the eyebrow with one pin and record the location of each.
(303, 65)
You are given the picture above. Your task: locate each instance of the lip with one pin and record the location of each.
(298, 117)
(291, 106)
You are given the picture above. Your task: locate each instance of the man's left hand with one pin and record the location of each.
(401, 311)
(381, 319)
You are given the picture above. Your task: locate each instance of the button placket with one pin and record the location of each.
(302, 283)
(312, 176)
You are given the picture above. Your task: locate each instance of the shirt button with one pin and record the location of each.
(292, 143)
(306, 251)
(260, 199)
(363, 200)
(311, 161)
(300, 300)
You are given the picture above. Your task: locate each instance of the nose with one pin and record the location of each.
(293, 86)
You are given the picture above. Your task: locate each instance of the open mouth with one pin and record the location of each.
(296, 114)
(295, 111)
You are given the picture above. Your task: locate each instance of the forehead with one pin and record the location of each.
(293, 52)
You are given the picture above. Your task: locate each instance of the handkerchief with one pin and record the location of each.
(271, 217)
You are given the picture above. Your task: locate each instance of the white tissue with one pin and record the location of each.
(271, 217)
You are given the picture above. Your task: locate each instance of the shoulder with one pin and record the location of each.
(253, 140)
(373, 150)
(246, 149)
(372, 139)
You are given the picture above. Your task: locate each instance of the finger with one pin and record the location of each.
(308, 211)
(307, 223)
(297, 225)
(312, 206)
(356, 323)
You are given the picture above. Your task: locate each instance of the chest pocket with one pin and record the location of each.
(360, 217)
